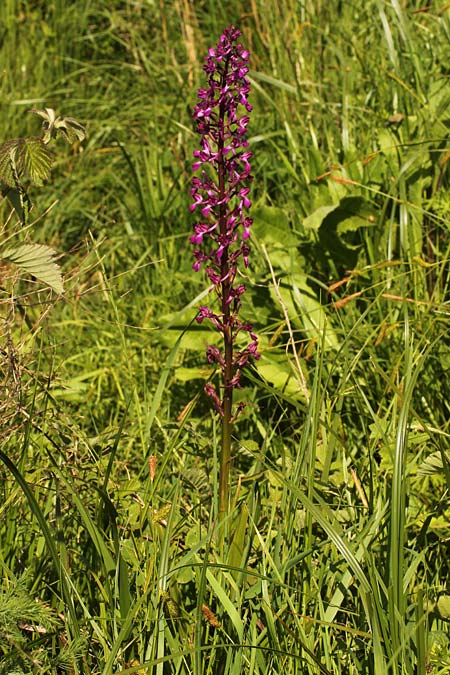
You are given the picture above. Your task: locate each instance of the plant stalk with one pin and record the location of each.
(226, 284)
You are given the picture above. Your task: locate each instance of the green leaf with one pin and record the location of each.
(443, 607)
(7, 152)
(311, 314)
(433, 464)
(271, 225)
(388, 143)
(315, 220)
(48, 125)
(183, 374)
(349, 214)
(28, 156)
(305, 310)
(236, 553)
(19, 200)
(37, 260)
(36, 159)
(223, 596)
(275, 369)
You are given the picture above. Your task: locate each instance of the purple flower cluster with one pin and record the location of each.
(221, 194)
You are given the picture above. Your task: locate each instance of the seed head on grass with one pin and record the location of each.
(220, 192)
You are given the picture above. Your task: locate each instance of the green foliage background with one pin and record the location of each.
(337, 554)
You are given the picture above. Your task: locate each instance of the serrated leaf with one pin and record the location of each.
(36, 159)
(8, 163)
(24, 155)
(37, 260)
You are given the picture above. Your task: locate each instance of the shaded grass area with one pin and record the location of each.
(337, 560)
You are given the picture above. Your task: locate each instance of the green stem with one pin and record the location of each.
(227, 402)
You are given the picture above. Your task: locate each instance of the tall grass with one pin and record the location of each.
(338, 553)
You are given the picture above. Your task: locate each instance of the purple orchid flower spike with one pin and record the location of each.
(220, 193)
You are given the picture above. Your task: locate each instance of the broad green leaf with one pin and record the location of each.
(349, 214)
(275, 369)
(352, 213)
(36, 159)
(37, 260)
(271, 225)
(28, 156)
(352, 224)
(313, 316)
(438, 107)
(304, 310)
(315, 220)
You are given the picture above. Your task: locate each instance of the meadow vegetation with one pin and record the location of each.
(336, 558)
